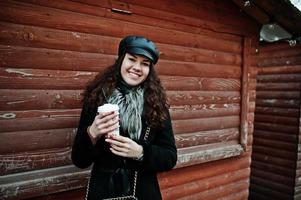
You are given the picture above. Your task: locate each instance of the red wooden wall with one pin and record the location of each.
(275, 171)
(50, 49)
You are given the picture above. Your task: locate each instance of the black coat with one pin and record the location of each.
(160, 154)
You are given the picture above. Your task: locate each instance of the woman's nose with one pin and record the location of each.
(137, 66)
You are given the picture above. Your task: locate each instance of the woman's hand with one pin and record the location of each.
(124, 146)
(104, 124)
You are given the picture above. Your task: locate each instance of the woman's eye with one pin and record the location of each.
(146, 64)
(132, 59)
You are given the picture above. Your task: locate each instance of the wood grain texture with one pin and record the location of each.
(28, 120)
(34, 160)
(46, 60)
(31, 36)
(275, 158)
(54, 18)
(40, 99)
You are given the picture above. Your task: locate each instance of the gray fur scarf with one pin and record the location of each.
(130, 110)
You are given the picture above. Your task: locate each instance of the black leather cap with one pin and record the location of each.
(140, 46)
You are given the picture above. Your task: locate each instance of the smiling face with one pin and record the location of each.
(134, 69)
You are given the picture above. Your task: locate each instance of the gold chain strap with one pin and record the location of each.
(135, 179)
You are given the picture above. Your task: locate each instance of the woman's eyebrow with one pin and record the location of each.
(144, 60)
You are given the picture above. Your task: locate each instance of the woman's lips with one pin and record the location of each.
(134, 74)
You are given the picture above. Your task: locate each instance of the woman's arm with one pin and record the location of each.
(83, 152)
(160, 154)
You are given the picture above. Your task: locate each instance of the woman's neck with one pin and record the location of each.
(124, 87)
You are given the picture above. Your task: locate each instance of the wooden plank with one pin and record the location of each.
(205, 137)
(289, 112)
(36, 58)
(214, 123)
(265, 192)
(13, 142)
(276, 128)
(70, 99)
(54, 18)
(53, 119)
(265, 78)
(253, 10)
(199, 186)
(298, 165)
(288, 86)
(38, 119)
(297, 188)
(279, 69)
(278, 94)
(199, 83)
(204, 153)
(238, 196)
(27, 181)
(278, 103)
(245, 93)
(252, 107)
(42, 182)
(284, 171)
(272, 50)
(202, 97)
(62, 79)
(208, 13)
(275, 136)
(273, 150)
(145, 15)
(29, 161)
(43, 79)
(222, 192)
(252, 83)
(77, 194)
(205, 111)
(180, 176)
(39, 99)
(197, 70)
(273, 160)
(276, 186)
(49, 38)
(293, 121)
(279, 61)
(198, 54)
(12, 34)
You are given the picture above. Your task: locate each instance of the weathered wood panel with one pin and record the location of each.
(277, 124)
(46, 60)
(33, 160)
(18, 12)
(12, 34)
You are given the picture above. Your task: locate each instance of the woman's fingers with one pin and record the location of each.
(110, 130)
(126, 143)
(120, 149)
(106, 120)
(106, 116)
(118, 153)
(123, 146)
(108, 124)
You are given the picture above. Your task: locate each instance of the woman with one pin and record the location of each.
(146, 142)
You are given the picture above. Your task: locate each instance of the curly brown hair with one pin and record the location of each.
(155, 101)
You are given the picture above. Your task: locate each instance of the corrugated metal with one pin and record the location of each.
(50, 49)
(275, 159)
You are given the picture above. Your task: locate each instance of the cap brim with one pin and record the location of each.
(140, 51)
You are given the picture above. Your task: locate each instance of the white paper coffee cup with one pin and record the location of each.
(108, 108)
